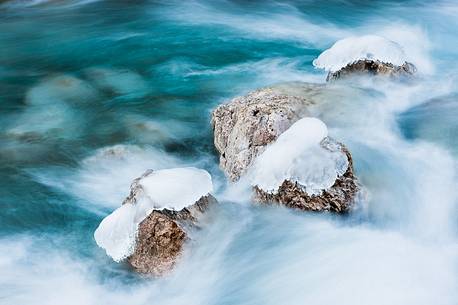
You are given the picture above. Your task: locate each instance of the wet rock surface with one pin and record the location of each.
(162, 236)
(163, 233)
(373, 67)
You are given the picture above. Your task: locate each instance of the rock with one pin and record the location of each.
(339, 198)
(162, 235)
(373, 67)
(61, 89)
(161, 213)
(367, 55)
(244, 126)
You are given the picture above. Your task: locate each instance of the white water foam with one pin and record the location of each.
(103, 179)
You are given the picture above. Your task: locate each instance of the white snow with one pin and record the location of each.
(116, 233)
(352, 49)
(298, 156)
(172, 189)
(177, 188)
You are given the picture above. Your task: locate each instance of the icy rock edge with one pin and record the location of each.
(367, 55)
(151, 227)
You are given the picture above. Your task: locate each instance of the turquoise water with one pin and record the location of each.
(144, 77)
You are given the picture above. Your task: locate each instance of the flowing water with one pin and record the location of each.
(141, 77)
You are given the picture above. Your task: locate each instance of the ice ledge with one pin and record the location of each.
(352, 49)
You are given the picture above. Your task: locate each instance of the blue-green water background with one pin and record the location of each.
(190, 57)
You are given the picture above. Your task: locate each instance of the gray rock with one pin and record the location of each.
(373, 67)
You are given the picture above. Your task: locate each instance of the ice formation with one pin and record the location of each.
(176, 188)
(349, 50)
(298, 156)
(172, 189)
(116, 233)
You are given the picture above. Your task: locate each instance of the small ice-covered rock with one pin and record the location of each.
(364, 54)
(118, 81)
(297, 156)
(352, 49)
(160, 207)
(61, 88)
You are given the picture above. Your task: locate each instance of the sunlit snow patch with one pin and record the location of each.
(298, 156)
(350, 50)
(172, 189)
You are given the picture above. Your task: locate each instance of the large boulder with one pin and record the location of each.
(247, 126)
(156, 219)
(244, 126)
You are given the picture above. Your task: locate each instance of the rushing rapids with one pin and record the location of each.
(94, 93)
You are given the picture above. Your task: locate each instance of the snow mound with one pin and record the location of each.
(298, 156)
(349, 50)
(172, 189)
(176, 188)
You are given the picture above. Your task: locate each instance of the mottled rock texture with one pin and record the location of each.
(243, 127)
(373, 67)
(163, 234)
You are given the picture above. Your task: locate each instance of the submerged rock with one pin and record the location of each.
(373, 67)
(118, 81)
(59, 89)
(157, 218)
(366, 55)
(246, 127)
